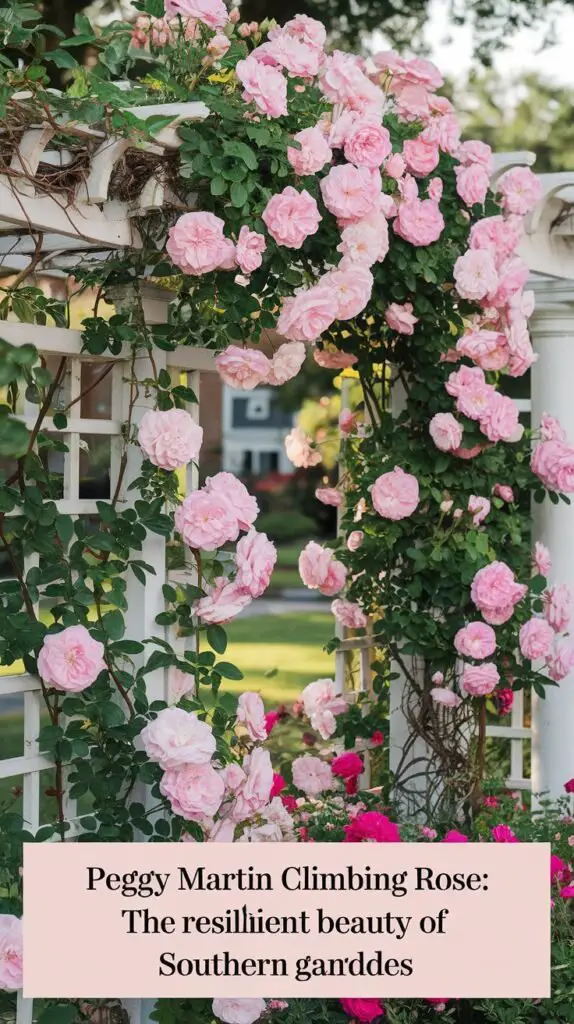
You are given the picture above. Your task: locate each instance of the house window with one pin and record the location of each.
(268, 462)
(257, 407)
(247, 462)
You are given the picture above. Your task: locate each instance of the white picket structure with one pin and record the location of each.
(144, 602)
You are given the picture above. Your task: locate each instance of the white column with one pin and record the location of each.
(552, 330)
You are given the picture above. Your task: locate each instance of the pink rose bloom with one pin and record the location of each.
(400, 317)
(177, 737)
(421, 157)
(347, 766)
(435, 188)
(419, 222)
(197, 245)
(503, 834)
(315, 152)
(218, 46)
(11, 953)
(329, 496)
(558, 607)
(249, 249)
(521, 353)
(236, 496)
(71, 660)
(479, 508)
(212, 13)
(512, 276)
(206, 521)
(437, 678)
(476, 400)
(238, 1011)
(291, 216)
(254, 786)
(446, 131)
(243, 368)
(195, 791)
(504, 492)
(477, 640)
(355, 539)
(350, 192)
(263, 85)
(299, 451)
(536, 639)
(255, 557)
(480, 680)
(446, 697)
(475, 152)
(542, 559)
(321, 704)
(311, 775)
(372, 827)
(286, 362)
(251, 714)
(495, 592)
(351, 287)
(181, 684)
(307, 30)
(320, 570)
(455, 837)
(561, 661)
(499, 420)
(395, 495)
(366, 241)
(332, 359)
(223, 602)
(521, 190)
(395, 166)
(553, 463)
(472, 182)
(475, 274)
(445, 431)
(170, 439)
(367, 144)
(349, 614)
(298, 58)
(347, 421)
(502, 235)
(408, 188)
(551, 429)
(307, 314)
(468, 377)
(467, 453)
(340, 76)
(364, 1010)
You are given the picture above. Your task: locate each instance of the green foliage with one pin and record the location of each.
(284, 528)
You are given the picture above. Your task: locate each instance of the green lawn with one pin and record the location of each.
(278, 655)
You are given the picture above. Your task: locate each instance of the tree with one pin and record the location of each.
(521, 113)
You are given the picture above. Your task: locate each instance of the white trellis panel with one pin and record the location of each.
(144, 602)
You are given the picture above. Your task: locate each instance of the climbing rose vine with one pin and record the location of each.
(336, 204)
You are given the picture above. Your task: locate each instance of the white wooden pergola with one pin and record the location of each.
(57, 234)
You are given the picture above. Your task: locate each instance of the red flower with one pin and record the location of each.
(374, 827)
(569, 786)
(347, 766)
(271, 719)
(364, 1010)
(377, 738)
(278, 785)
(455, 837)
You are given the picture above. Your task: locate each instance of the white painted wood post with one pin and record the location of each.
(552, 331)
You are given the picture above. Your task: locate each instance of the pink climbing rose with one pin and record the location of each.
(311, 775)
(197, 245)
(558, 606)
(521, 190)
(542, 559)
(236, 497)
(536, 639)
(243, 368)
(419, 221)
(495, 591)
(212, 13)
(349, 614)
(320, 570)
(291, 216)
(475, 274)
(363, 1010)
(314, 153)
(251, 714)
(177, 737)
(349, 192)
(395, 495)
(367, 143)
(400, 318)
(206, 521)
(480, 680)
(477, 640)
(264, 85)
(299, 451)
(71, 660)
(222, 602)
(445, 431)
(195, 791)
(255, 557)
(170, 439)
(249, 250)
(11, 953)
(307, 314)
(322, 704)
(286, 362)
